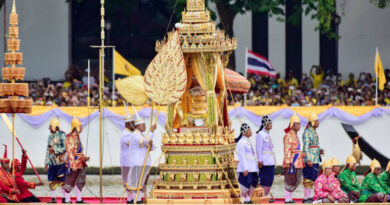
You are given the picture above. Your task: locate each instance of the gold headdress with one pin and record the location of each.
(312, 118)
(374, 164)
(351, 160)
(76, 124)
(335, 162)
(327, 164)
(388, 166)
(54, 124)
(294, 119)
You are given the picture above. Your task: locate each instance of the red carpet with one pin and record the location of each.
(117, 200)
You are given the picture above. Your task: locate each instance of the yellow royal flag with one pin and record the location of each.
(124, 67)
(380, 73)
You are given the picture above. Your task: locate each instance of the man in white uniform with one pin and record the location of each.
(265, 155)
(247, 165)
(139, 144)
(125, 151)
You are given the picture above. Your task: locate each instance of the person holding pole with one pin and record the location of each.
(139, 149)
(23, 186)
(55, 159)
(7, 181)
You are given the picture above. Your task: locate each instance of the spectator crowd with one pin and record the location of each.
(317, 88)
(73, 91)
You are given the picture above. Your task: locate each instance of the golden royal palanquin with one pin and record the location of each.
(199, 144)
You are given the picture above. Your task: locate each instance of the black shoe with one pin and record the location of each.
(81, 202)
(140, 202)
(307, 201)
(289, 202)
(53, 201)
(271, 200)
(63, 200)
(248, 202)
(130, 202)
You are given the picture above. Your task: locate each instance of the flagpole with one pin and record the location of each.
(113, 76)
(245, 74)
(376, 78)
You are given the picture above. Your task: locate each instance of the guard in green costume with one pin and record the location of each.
(384, 180)
(348, 180)
(371, 190)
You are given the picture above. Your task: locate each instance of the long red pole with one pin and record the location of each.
(28, 158)
(8, 124)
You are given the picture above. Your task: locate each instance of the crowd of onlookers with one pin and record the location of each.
(317, 88)
(73, 91)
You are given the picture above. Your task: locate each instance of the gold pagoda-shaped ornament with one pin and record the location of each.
(199, 142)
(14, 95)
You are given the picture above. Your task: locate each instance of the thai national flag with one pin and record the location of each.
(259, 65)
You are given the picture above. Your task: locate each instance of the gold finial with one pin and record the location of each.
(13, 7)
(13, 20)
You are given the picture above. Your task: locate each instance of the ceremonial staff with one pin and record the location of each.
(101, 90)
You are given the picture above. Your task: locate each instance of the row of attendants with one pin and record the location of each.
(302, 164)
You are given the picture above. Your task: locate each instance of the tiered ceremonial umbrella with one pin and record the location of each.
(236, 83)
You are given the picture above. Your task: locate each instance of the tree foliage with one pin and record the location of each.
(381, 3)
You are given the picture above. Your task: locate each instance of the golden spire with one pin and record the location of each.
(13, 20)
(13, 7)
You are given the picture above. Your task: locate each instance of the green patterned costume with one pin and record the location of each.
(56, 141)
(311, 145)
(348, 181)
(370, 186)
(384, 180)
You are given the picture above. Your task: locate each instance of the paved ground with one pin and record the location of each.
(112, 186)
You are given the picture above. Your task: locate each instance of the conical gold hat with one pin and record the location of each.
(327, 164)
(76, 124)
(374, 164)
(312, 118)
(351, 160)
(294, 119)
(54, 123)
(335, 162)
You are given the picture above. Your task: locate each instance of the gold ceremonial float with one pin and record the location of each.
(188, 75)
(10, 103)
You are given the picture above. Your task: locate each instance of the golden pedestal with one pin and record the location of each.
(198, 168)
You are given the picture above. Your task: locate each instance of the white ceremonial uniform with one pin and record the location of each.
(138, 149)
(125, 148)
(125, 156)
(246, 156)
(264, 148)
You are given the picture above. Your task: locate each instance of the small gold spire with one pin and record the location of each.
(13, 7)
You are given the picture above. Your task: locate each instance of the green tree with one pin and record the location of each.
(381, 3)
